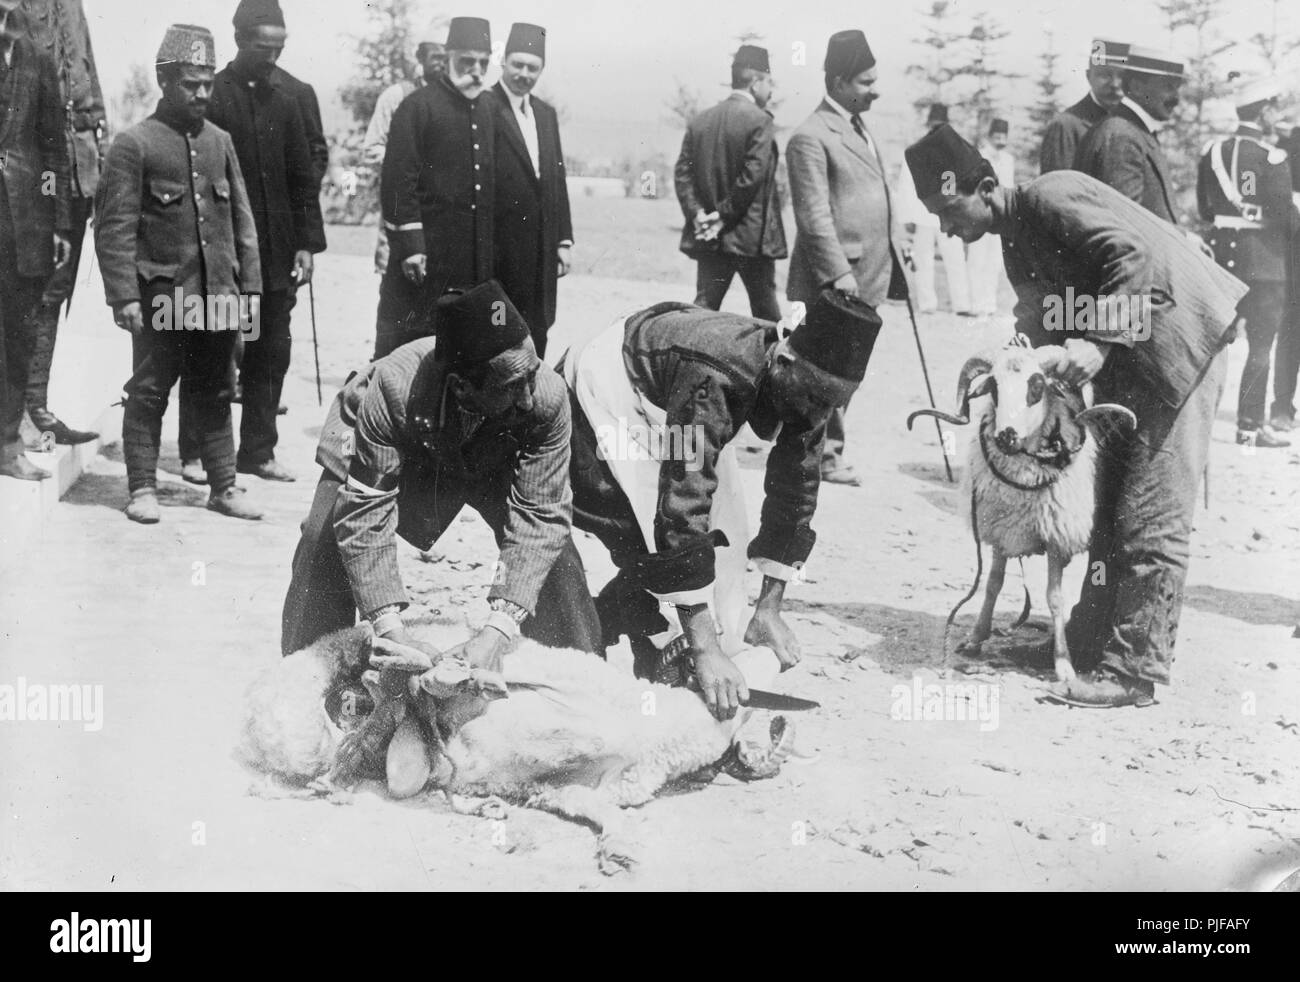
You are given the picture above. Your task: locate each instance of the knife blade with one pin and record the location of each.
(759, 699)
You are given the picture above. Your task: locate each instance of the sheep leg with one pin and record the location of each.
(1056, 564)
(984, 623)
(615, 852)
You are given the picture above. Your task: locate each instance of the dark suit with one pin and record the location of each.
(1122, 152)
(437, 198)
(1063, 133)
(1286, 366)
(531, 214)
(1067, 230)
(309, 109)
(728, 164)
(1253, 243)
(401, 460)
(34, 203)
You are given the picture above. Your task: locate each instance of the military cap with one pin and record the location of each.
(478, 324)
(469, 34)
(527, 38)
(187, 44)
(1151, 61)
(848, 54)
(1252, 90)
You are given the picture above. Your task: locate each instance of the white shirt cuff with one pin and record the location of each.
(778, 571)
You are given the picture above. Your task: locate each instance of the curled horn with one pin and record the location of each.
(972, 370)
(1104, 408)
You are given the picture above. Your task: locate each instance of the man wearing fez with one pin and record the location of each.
(35, 216)
(174, 232)
(924, 230)
(1243, 186)
(984, 258)
(266, 125)
(842, 207)
(1164, 361)
(471, 417)
(726, 185)
(1105, 77)
(1123, 150)
(533, 230)
(657, 400)
(431, 56)
(436, 190)
(59, 27)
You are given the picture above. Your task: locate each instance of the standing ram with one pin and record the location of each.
(1029, 476)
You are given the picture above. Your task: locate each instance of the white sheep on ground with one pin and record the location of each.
(1028, 487)
(574, 736)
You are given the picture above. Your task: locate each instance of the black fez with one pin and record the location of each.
(938, 114)
(255, 13)
(838, 334)
(938, 161)
(469, 34)
(848, 54)
(999, 126)
(528, 38)
(752, 56)
(477, 325)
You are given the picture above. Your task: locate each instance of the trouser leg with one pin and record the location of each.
(1152, 532)
(261, 376)
(156, 360)
(833, 448)
(207, 358)
(17, 295)
(759, 276)
(1262, 310)
(399, 301)
(319, 601)
(954, 267)
(984, 265)
(923, 255)
(1287, 359)
(45, 318)
(713, 273)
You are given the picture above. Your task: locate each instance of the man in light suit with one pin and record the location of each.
(1123, 149)
(984, 258)
(726, 185)
(532, 227)
(842, 207)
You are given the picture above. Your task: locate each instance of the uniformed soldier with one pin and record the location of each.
(178, 250)
(1105, 90)
(1243, 186)
(473, 418)
(34, 216)
(437, 189)
(657, 400)
(59, 27)
(1066, 231)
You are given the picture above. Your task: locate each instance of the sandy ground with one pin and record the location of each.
(1201, 791)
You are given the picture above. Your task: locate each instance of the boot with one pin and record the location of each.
(22, 469)
(143, 506)
(231, 503)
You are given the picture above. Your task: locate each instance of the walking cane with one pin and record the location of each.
(925, 371)
(315, 342)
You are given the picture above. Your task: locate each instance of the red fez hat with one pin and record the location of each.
(838, 335)
(848, 54)
(752, 56)
(469, 34)
(255, 13)
(528, 38)
(938, 162)
(477, 325)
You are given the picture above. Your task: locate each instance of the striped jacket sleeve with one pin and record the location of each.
(365, 512)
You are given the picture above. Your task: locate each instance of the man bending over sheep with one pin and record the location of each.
(656, 400)
(1064, 232)
(471, 417)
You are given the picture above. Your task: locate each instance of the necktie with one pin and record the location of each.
(858, 127)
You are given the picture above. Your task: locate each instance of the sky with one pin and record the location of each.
(613, 67)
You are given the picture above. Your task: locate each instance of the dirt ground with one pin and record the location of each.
(1201, 791)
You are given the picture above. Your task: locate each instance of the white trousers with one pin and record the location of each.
(954, 265)
(984, 264)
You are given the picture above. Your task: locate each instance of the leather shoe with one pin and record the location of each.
(267, 470)
(231, 503)
(22, 469)
(1265, 437)
(843, 474)
(143, 507)
(1282, 424)
(1104, 690)
(63, 433)
(193, 472)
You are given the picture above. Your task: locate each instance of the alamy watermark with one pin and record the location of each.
(626, 440)
(950, 702)
(27, 702)
(181, 311)
(1127, 315)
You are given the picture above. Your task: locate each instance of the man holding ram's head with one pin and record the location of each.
(1077, 252)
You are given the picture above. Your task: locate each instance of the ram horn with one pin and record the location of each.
(1103, 408)
(937, 414)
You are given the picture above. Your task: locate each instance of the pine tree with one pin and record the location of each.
(944, 41)
(985, 36)
(385, 55)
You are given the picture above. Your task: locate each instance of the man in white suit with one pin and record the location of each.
(842, 207)
(984, 258)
